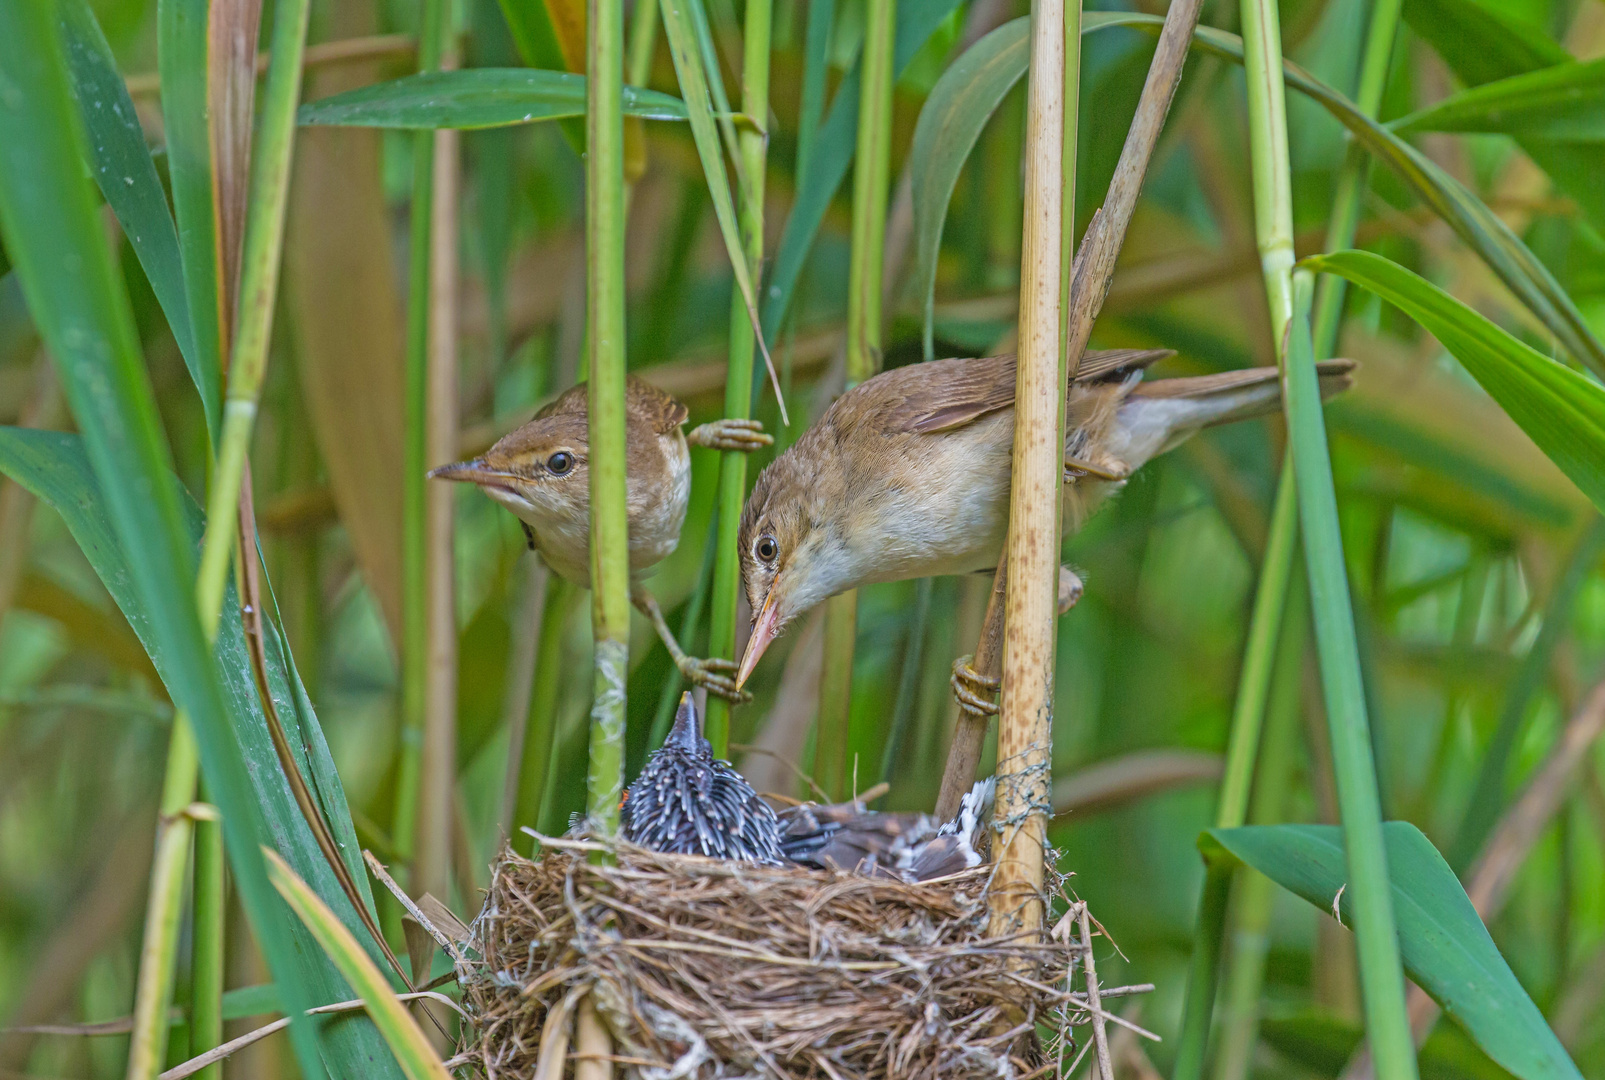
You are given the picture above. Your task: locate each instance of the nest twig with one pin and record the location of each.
(713, 969)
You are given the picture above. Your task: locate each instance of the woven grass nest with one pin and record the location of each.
(704, 968)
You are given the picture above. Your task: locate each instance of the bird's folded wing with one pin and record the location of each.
(661, 412)
(947, 394)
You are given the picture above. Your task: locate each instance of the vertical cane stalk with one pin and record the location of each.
(752, 144)
(437, 774)
(865, 267)
(207, 946)
(1354, 766)
(414, 483)
(1025, 721)
(604, 268)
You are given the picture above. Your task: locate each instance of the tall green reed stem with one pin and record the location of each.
(414, 483)
(1275, 574)
(751, 165)
(604, 268)
(1242, 748)
(263, 245)
(1354, 765)
(1252, 894)
(865, 268)
(209, 909)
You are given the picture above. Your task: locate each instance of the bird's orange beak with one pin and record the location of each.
(764, 630)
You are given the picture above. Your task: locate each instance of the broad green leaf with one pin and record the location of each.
(958, 108)
(1446, 948)
(182, 53)
(122, 167)
(407, 1041)
(532, 32)
(832, 153)
(474, 98)
(1561, 410)
(52, 465)
(53, 234)
(1564, 103)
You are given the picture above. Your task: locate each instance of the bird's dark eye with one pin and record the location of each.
(766, 548)
(560, 463)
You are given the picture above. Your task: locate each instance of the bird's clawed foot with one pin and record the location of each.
(1107, 468)
(1070, 589)
(972, 690)
(715, 675)
(731, 434)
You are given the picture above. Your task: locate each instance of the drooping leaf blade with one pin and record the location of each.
(1564, 103)
(1561, 410)
(52, 465)
(475, 98)
(958, 108)
(407, 1042)
(123, 169)
(1446, 948)
(53, 233)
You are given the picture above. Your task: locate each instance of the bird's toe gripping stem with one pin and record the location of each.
(731, 434)
(972, 690)
(716, 676)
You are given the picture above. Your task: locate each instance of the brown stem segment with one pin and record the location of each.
(969, 730)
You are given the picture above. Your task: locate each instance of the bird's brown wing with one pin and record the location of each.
(661, 412)
(947, 394)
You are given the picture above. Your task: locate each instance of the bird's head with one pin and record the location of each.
(793, 551)
(539, 471)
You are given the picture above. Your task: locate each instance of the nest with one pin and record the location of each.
(703, 968)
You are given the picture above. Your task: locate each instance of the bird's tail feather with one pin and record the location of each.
(1229, 396)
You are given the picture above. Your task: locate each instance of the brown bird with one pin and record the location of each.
(541, 473)
(907, 474)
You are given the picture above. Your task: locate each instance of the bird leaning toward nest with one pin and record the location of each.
(907, 475)
(688, 802)
(541, 473)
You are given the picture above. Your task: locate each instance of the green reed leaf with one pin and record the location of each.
(474, 98)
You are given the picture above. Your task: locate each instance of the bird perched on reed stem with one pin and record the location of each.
(688, 802)
(541, 473)
(907, 474)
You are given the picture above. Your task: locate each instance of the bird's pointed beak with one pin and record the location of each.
(473, 471)
(687, 731)
(764, 630)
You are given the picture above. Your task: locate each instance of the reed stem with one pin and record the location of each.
(751, 165)
(1275, 574)
(871, 177)
(415, 461)
(1030, 621)
(207, 945)
(610, 550)
(1354, 765)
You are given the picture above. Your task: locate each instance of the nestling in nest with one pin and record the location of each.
(756, 964)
